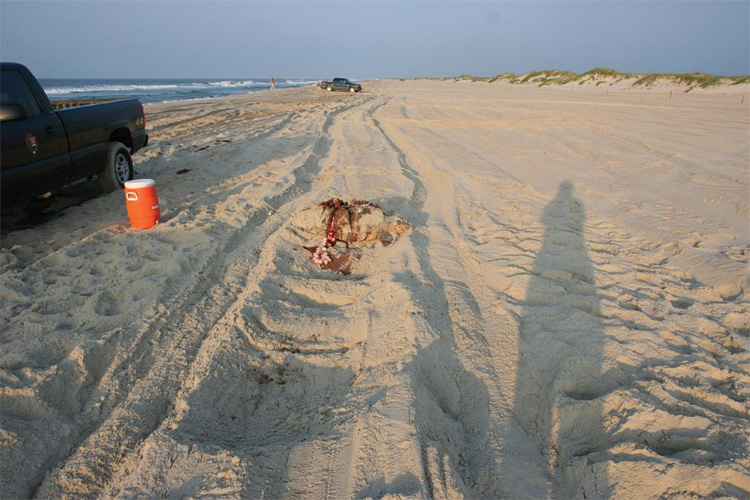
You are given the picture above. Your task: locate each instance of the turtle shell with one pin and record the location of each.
(314, 220)
(366, 222)
(357, 222)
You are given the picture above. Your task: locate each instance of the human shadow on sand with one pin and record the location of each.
(451, 403)
(560, 364)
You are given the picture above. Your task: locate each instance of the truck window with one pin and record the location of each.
(15, 90)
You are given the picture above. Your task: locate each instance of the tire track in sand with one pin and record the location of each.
(476, 333)
(258, 384)
(178, 331)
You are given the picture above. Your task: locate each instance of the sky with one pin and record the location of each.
(369, 39)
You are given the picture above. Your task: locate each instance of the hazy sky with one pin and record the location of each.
(218, 39)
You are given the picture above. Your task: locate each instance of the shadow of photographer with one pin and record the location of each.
(561, 347)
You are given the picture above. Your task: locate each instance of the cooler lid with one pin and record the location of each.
(139, 183)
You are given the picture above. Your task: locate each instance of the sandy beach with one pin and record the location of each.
(568, 318)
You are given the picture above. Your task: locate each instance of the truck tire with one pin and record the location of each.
(352, 90)
(329, 88)
(118, 168)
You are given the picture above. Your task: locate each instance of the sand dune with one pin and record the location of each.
(568, 318)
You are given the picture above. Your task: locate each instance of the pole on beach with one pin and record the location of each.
(670, 95)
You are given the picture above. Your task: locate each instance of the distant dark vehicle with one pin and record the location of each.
(43, 150)
(343, 84)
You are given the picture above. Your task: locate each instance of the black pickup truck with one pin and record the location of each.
(341, 84)
(42, 149)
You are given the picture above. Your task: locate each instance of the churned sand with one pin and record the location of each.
(569, 317)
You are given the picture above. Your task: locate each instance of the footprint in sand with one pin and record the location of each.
(681, 302)
(739, 322)
(730, 291)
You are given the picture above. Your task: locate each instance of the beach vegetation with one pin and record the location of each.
(692, 80)
(510, 77)
(561, 77)
(473, 78)
(531, 76)
(607, 72)
(549, 77)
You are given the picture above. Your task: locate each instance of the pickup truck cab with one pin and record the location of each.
(343, 84)
(43, 149)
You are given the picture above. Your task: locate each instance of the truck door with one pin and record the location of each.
(34, 150)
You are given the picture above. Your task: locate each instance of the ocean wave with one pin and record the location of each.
(107, 88)
(166, 90)
(301, 82)
(102, 88)
(230, 83)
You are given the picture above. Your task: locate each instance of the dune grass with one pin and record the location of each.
(472, 78)
(606, 72)
(562, 77)
(701, 80)
(505, 76)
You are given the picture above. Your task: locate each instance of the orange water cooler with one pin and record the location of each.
(142, 203)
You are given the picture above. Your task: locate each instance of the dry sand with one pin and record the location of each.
(569, 317)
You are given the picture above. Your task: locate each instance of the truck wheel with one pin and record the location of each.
(352, 90)
(329, 88)
(118, 168)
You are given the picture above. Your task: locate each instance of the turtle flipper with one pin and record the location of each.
(386, 238)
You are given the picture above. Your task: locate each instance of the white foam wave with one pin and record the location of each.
(301, 82)
(107, 88)
(230, 83)
(156, 87)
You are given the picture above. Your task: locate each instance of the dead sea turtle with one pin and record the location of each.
(355, 223)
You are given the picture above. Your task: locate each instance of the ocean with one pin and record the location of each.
(150, 91)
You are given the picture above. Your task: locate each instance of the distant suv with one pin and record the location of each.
(343, 84)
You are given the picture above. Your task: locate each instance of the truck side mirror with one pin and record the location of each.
(11, 112)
